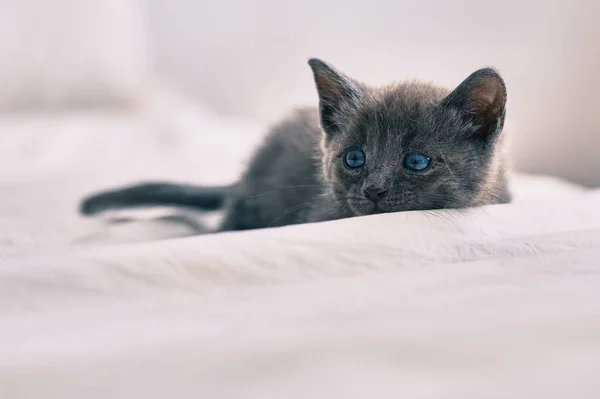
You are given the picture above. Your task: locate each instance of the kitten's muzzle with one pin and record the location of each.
(375, 193)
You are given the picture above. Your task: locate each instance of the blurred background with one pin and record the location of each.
(247, 59)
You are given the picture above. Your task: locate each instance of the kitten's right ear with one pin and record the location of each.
(336, 93)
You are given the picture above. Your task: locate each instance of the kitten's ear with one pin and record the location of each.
(336, 93)
(481, 101)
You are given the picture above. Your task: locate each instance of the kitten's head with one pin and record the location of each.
(412, 146)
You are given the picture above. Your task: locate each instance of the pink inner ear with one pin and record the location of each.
(489, 96)
(329, 90)
(324, 84)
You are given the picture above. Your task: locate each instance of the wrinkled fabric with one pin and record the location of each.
(497, 302)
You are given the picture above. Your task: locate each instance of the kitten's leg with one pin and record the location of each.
(239, 216)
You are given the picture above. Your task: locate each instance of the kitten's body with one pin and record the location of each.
(299, 174)
(283, 183)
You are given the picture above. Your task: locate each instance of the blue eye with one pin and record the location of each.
(416, 161)
(354, 158)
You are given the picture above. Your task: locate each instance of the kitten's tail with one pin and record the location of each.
(156, 194)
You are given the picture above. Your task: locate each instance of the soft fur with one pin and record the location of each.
(298, 174)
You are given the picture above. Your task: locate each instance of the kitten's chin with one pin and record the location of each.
(364, 208)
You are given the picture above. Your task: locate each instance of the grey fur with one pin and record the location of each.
(156, 194)
(298, 174)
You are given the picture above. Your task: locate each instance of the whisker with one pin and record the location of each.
(284, 188)
(445, 217)
(428, 219)
(293, 209)
(433, 214)
(332, 125)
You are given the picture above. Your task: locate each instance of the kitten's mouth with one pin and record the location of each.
(380, 208)
(364, 208)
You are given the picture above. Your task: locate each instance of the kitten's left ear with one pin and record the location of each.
(481, 101)
(337, 92)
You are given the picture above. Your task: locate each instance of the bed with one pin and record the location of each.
(501, 301)
(497, 302)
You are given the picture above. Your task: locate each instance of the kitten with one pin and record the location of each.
(409, 146)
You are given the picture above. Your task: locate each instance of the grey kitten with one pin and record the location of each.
(409, 146)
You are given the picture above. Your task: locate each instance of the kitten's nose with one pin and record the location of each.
(374, 193)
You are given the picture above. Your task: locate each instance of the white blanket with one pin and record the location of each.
(497, 302)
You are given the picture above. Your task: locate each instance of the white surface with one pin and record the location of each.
(57, 53)
(499, 302)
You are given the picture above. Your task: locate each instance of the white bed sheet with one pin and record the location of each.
(497, 302)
